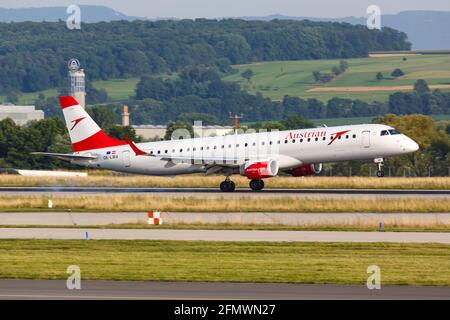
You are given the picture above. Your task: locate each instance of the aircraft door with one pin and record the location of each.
(126, 158)
(365, 140)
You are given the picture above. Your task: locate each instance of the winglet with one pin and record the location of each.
(136, 150)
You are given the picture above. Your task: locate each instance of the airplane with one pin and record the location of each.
(257, 155)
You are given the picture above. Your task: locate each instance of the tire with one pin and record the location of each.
(380, 174)
(227, 186)
(257, 185)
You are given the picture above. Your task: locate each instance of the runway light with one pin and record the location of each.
(50, 203)
(381, 227)
(87, 235)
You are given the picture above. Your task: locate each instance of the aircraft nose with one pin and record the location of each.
(411, 145)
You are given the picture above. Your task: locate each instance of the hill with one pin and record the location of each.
(89, 13)
(279, 78)
(31, 60)
(426, 30)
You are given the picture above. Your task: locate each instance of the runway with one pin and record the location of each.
(214, 192)
(214, 218)
(223, 235)
(56, 289)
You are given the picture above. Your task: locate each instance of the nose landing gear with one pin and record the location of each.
(227, 185)
(380, 164)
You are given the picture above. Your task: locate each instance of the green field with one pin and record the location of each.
(118, 89)
(279, 78)
(343, 263)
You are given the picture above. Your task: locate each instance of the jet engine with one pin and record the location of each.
(306, 170)
(259, 170)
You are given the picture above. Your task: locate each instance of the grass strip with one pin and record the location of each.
(200, 181)
(340, 263)
(139, 203)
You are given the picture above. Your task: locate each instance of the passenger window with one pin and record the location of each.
(384, 133)
(354, 136)
(317, 139)
(293, 140)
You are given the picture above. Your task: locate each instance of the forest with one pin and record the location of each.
(33, 56)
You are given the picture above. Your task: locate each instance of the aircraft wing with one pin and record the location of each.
(65, 156)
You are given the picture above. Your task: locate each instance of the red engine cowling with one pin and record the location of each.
(306, 170)
(259, 170)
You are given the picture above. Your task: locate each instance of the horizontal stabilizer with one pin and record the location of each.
(65, 156)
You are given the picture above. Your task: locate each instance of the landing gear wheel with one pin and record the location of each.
(380, 164)
(256, 185)
(227, 186)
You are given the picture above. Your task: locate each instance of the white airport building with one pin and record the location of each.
(20, 114)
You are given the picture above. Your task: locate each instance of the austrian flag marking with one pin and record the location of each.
(154, 217)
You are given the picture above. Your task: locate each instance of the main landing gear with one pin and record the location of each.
(227, 185)
(380, 163)
(256, 185)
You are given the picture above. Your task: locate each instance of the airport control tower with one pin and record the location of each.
(77, 82)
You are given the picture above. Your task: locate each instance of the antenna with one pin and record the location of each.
(236, 118)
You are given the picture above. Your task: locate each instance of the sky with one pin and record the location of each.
(238, 8)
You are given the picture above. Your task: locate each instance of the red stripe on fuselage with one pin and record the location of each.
(97, 141)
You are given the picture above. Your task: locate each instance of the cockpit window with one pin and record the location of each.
(393, 131)
(384, 133)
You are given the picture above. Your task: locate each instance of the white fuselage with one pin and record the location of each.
(291, 148)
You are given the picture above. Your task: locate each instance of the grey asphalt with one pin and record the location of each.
(237, 218)
(239, 192)
(56, 289)
(224, 235)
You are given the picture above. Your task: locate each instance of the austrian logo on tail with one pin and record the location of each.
(76, 121)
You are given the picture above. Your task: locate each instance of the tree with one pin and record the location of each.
(421, 129)
(296, 122)
(103, 116)
(316, 76)
(151, 87)
(421, 87)
(119, 132)
(343, 66)
(379, 76)
(177, 130)
(397, 73)
(11, 97)
(247, 74)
